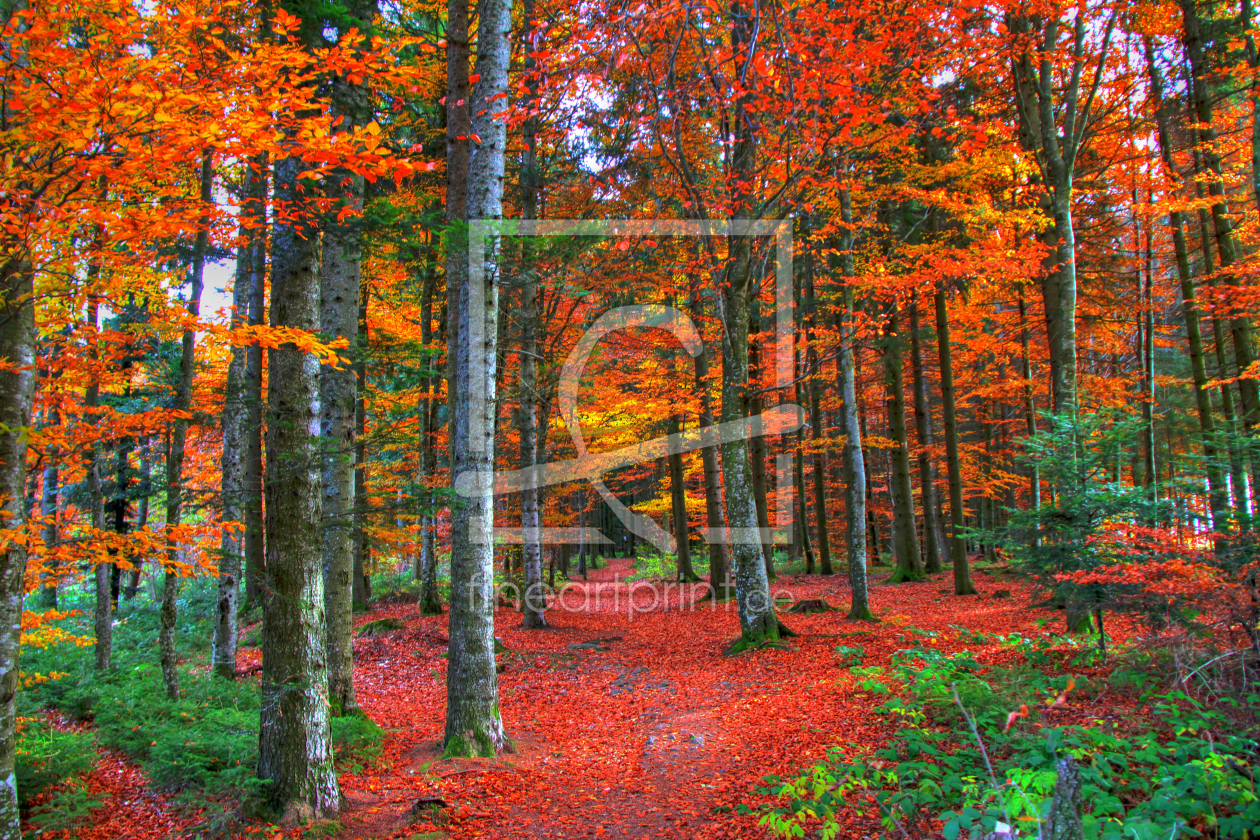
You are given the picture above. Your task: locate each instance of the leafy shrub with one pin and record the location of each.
(357, 741)
(51, 761)
(47, 756)
(203, 744)
(1190, 773)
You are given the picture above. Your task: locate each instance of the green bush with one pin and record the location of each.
(357, 741)
(51, 761)
(1189, 773)
(47, 756)
(203, 744)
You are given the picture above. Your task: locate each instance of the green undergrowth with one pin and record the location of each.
(51, 767)
(975, 749)
(203, 746)
(399, 587)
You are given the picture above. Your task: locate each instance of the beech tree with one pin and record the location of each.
(473, 722)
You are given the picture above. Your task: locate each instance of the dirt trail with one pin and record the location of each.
(634, 724)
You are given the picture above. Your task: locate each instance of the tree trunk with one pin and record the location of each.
(430, 597)
(254, 536)
(816, 424)
(473, 722)
(236, 431)
(1240, 325)
(50, 533)
(341, 275)
(933, 530)
(17, 393)
(678, 498)
(1030, 408)
(854, 463)
(179, 434)
(958, 514)
(905, 539)
(534, 598)
(757, 455)
(295, 749)
(361, 583)
(714, 504)
(1229, 432)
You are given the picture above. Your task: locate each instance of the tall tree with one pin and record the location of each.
(957, 511)
(236, 430)
(179, 437)
(905, 536)
(340, 278)
(17, 390)
(473, 722)
(1042, 105)
(933, 531)
(534, 598)
(295, 747)
(854, 465)
(1240, 325)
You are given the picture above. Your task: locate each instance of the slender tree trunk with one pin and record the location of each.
(678, 499)
(816, 424)
(933, 530)
(142, 517)
(906, 543)
(361, 586)
(958, 514)
(341, 275)
(236, 431)
(872, 519)
(1240, 325)
(854, 464)
(473, 722)
(295, 749)
(534, 598)
(430, 597)
(179, 435)
(17, 393)
(757, 460)
(1229, 419)
(719, 555)
(102, 615)
(1030, 408)
(255, 536)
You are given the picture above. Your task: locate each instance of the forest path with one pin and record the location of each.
(633, 724)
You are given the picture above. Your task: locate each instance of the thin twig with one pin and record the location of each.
(983, 752)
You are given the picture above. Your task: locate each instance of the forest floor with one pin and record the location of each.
(634, 724)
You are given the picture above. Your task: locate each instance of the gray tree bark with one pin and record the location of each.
(905, 537)
(1040, 104)
(236, 430)
(958, 513)
(17, 392)
(534, 598)
(179, 434)
(933, 528)
(714, 504)
(854, 463)
(340, 278)
(1218, 501)
(473, 722)
(295, 749)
